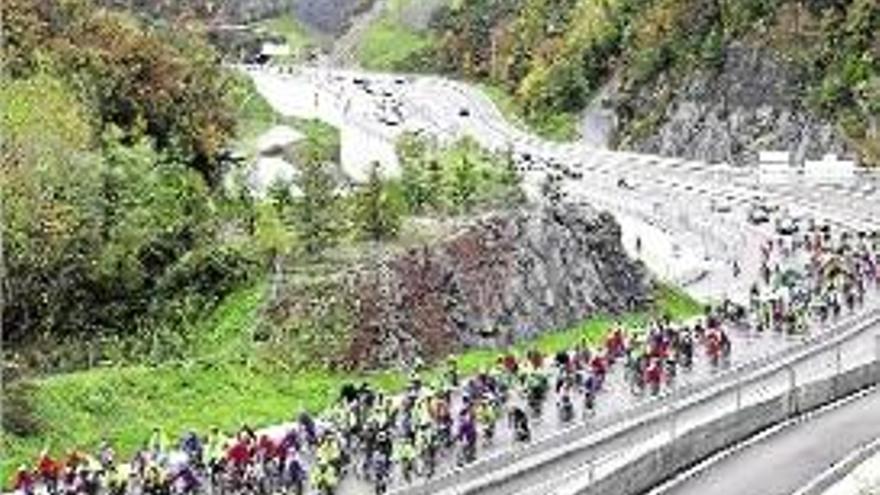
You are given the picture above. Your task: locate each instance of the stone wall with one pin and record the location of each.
(497, 279)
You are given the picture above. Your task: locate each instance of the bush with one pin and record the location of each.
(19, 416)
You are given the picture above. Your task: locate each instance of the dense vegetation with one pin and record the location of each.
(552, 56)
(115, 134)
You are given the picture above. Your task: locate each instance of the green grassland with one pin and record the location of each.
(560, 127)
(388, 41)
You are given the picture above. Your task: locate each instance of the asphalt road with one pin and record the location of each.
(789, 459)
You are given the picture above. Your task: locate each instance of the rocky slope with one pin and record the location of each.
(499, 279)
(751, 104)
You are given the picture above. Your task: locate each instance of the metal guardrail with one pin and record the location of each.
(658, 410)
(807, 380)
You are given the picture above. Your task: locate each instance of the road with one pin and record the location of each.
(668, 203)
(790, 458)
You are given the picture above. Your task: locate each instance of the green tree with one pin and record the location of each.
(412, 152)
(378, 209)
(435, 180)
(316, 213)
(167, 82)
(274, 239)
(463, 184)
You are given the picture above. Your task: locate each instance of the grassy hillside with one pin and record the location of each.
(390, 41)
(225, 383)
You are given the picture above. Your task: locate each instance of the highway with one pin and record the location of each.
(667, 203)
(672, 197)
(788, 459)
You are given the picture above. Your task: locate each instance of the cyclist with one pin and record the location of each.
(405, 455)
(24, 481)
(519, 421)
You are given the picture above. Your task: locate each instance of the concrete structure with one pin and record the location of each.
(775, 167)
(830, 170)
(360, 149)
(275, 50)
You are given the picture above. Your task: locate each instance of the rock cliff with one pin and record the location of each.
(498, 279)
(753, 103)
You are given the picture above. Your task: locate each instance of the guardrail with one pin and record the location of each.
(801, 383)
(595, 451)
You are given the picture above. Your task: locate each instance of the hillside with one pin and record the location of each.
(329, 16)
(669, 64)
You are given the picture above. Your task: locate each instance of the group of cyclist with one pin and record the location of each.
(380, 439)
(813, 278)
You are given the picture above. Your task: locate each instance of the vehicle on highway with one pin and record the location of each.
(786, 225)
(622, 183)
(758, 214)
(721, 206)
(572, 174)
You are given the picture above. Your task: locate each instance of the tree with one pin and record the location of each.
(378, 209)
(273, 238)
(166, 82)
(316, 212)
(412, 153)
(464, 184)
(434, 178)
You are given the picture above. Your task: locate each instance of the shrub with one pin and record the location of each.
(19, 413)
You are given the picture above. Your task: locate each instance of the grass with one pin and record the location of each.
(226, 387)
(388, 41)
(560, 127)
(254, 115)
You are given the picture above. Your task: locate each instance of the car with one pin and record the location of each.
(464, 112)
(758, 215)
(785, 225)
(622, 183)
(721, 206)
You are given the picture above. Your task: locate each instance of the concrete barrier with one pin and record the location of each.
(636, 452)
(660, 464)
